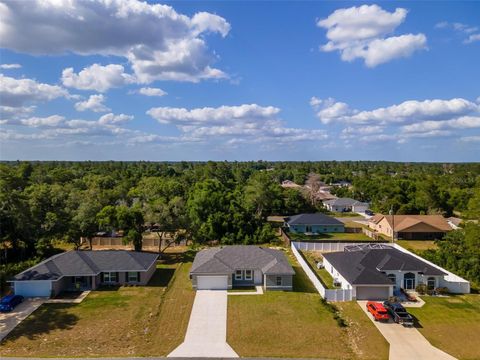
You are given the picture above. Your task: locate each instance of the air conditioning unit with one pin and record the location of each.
(320, 265)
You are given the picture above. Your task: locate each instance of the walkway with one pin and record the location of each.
(207, 329)
(406, 342)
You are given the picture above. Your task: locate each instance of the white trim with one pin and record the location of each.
(239, 277)
(246, 277)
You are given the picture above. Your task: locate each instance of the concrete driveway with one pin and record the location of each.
(405, 342)
(8, 321)
(207, 329)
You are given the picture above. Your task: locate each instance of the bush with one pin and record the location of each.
(442, 291)
(421, 289)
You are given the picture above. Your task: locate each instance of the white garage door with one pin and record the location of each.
(212, 282)
(33, 288)
(372, 292)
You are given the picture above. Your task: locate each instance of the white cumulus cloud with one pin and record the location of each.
(10, 66)
(97, 77)
(114, 119)
(159, 43)
(149, 91)
(362, 32)
(94, 103)
(18, 92)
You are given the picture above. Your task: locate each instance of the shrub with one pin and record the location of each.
(442, 290)
(421, 289)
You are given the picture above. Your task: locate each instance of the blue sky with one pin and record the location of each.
(127, 80)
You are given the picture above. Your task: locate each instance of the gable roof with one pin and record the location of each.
(87, 263)
(225, 260)
(313, 219)
(403, 222)
(344, 202)
(365, 266)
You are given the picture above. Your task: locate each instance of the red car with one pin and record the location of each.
(378, 311)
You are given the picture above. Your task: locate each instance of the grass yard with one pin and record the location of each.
(362, 333)
(417, 245)
(322, 274)
(126, 321)
(330, 236)
(451, 324)
(291, 324)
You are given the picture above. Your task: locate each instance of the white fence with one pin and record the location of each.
(327, 294)
(323, 246)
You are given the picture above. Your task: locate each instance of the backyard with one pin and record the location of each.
(297, 324)
(313, 258)
(117, 321)
(417, 245)
(330, 236)
(451, 324)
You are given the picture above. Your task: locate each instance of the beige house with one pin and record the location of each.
(410, 227)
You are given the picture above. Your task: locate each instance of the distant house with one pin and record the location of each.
(342, 183)
(375, 273)
(314, 223)
(322, 195)
(345, 204)
(85, 270)
(289, 184)
(222, 268)
(410, 227)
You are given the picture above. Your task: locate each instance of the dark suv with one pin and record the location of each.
(9, 302)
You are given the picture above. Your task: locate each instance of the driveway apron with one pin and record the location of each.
(207, 329)
(406, 342)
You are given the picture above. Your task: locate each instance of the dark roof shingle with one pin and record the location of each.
(313, 219)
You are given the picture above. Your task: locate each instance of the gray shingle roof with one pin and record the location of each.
(313, 219)
(225, 260)
(344, 202)
(366, 266)
(87, 263)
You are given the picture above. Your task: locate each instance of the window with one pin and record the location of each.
(238, 274)
(392, 277)
(248, 274)
(279, 281)
(133, 276)
(109, 277)
(431, 283)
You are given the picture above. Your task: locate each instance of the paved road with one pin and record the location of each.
(8, 321)
(207, 329)
(405, 342)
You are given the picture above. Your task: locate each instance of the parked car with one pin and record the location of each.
(9, 302)
(369, 212)
(378, 311)
(398, 313)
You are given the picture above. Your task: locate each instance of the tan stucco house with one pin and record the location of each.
(410, 227)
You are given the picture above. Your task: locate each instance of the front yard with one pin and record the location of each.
(126, 321)
(296, 324)
(452, 324)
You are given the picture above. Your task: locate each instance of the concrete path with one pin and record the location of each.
(8, 321)
(77, 300)
(406, 342)
(207, 329)
(258, 291)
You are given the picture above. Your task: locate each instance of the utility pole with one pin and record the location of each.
(393, 224)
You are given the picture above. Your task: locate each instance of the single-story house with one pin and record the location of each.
(375, 273)
(85, 270)
(314, 223)
(410, 227)
(345, 204)
(222, 268)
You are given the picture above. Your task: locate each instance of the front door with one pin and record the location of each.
(409, 281)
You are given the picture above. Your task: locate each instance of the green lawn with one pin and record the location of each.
(330, 236)
(291, 324)
(451, 324)
(417, 245)
(322, 274)
(362, 333)
(126, 321)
